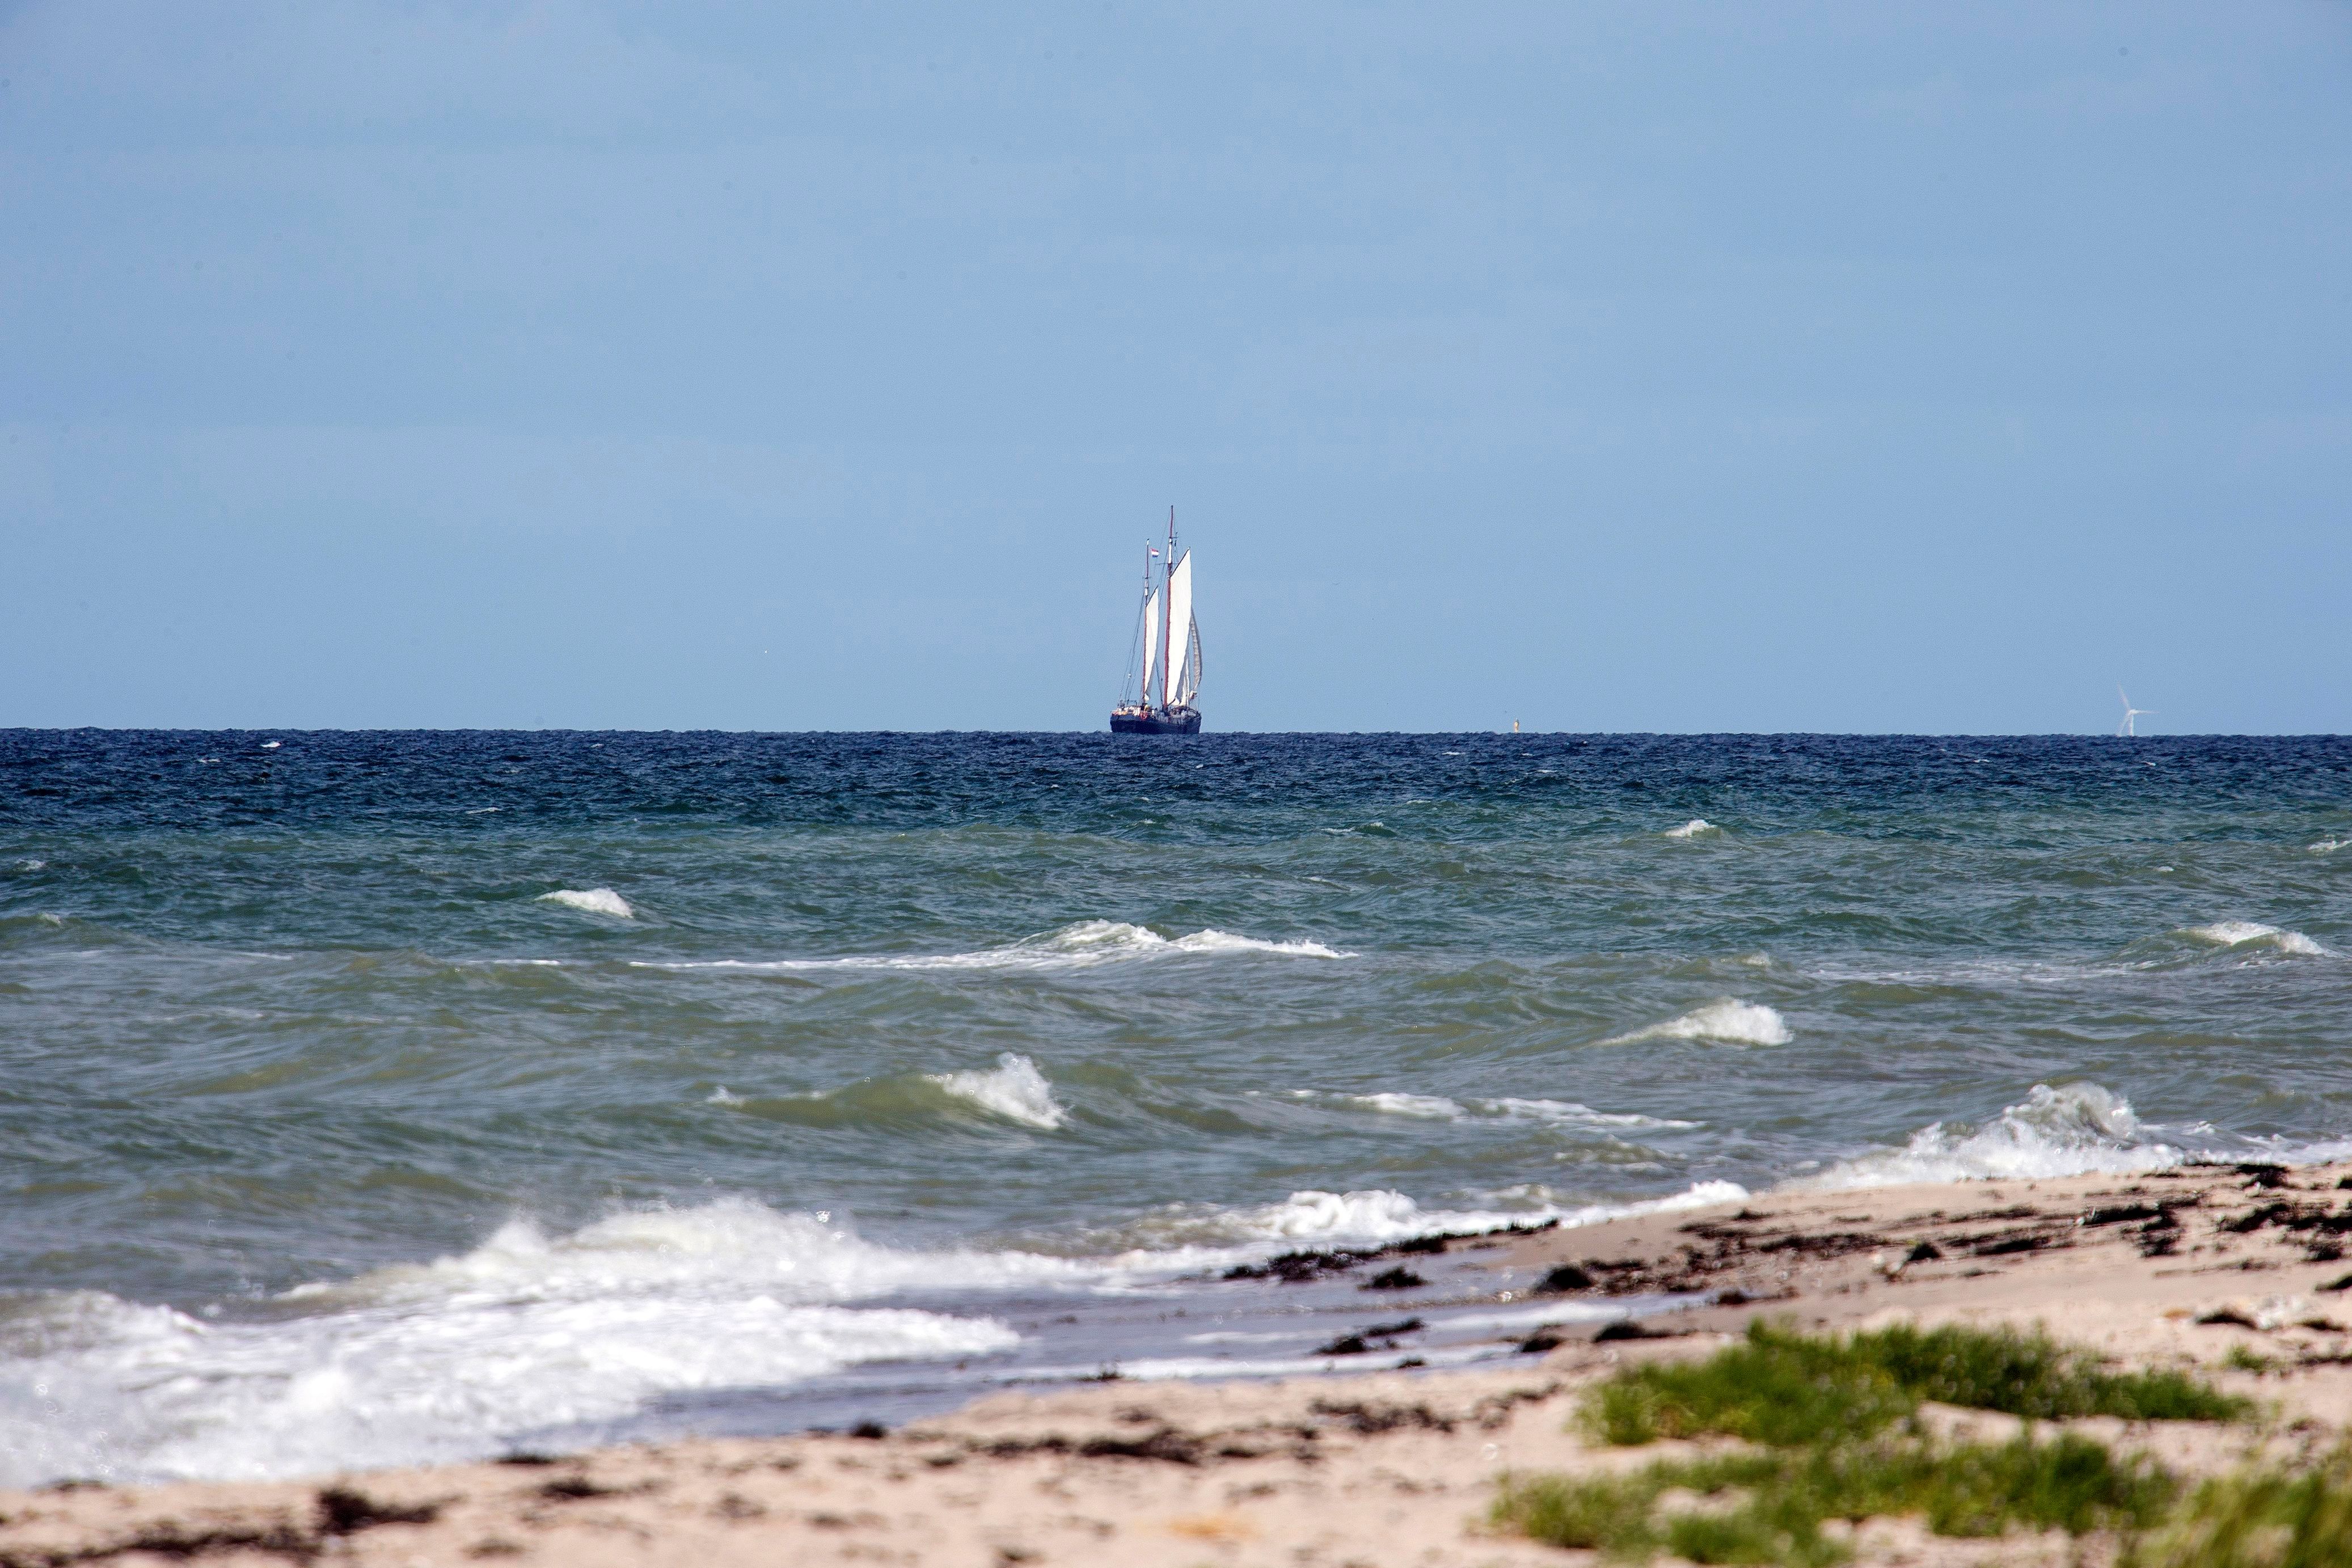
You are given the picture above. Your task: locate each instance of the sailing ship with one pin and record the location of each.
(1156, 698)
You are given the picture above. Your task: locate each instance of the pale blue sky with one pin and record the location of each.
(1631, 367)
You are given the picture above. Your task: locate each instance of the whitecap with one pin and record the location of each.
(1429, 1107)
(459, 1358)
(2068, 1130)
(1569, 1112)
(2327, 846)
(719, 1096)
(1695, 828)
(1015, 1091)
(2245, 933)
(590, 901)
(1561, 1112)
(1726, 1021)
(1085, 945)
(1379, 1215)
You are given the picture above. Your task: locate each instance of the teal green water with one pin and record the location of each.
(376, 1097)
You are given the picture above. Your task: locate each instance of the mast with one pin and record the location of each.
(1167, 624)
(1143, 632)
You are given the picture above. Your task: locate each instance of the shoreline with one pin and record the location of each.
(2225, 1269)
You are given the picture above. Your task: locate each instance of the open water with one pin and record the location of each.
(370, 1098)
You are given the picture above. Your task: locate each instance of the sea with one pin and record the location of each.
(384, 1098)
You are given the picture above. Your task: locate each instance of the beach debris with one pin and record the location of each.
(1626, 1328)
(1298, 1268)
(344, 1511)
(574, 1488)
(1397, 1279)
(1370, 1416)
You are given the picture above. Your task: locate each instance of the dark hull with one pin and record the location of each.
(1180, 721)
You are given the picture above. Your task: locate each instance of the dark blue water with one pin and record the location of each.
(328, 1131)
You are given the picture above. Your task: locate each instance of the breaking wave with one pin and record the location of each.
(2070, 1129)
(1384, 1216)
(1728, 1021)
(1015, 1091)
(532, 1337)
(2248, 933)
(1558, 1112)
(1085, 945)
(1698, 827)
(590, 901)
(464, 1356)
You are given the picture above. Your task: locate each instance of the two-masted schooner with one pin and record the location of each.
(1157, 695)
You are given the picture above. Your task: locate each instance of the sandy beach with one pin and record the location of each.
(2234, 1271)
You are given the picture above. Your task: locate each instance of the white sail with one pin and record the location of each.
(1151, 641)
(1180, 627)
(1192, 687)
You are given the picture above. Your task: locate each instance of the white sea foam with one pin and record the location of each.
(1698, 827)
(456, 1358)
(2068, 1130)
(1379, 1215)
(2248, 933)
(1014, 1089)
(531, 1333)
(1727, 1021)
(1430, 1107)
(590, 901)
(2328, 846)
(1563, 1112)
(1083, 945)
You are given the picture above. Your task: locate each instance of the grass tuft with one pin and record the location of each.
(1833, 1421)
(2259, 1519)
(2033, 1377)
(1783, 1387)
(1770, 1507)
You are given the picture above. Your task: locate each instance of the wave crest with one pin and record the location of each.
(1015, 1091)
(1560, 1113)
(1698, 827)
(1081, 945)
(590, 901)
(1727, 1021)
(2249, 933)
(461, 1357)
(2070, 1129)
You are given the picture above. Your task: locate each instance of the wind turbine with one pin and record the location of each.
(2130, 713)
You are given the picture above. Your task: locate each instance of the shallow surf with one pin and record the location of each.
(385, 1098)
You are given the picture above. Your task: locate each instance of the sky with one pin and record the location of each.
(1602, 367)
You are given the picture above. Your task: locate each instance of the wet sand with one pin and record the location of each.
(1389, 1468)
